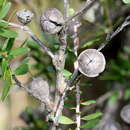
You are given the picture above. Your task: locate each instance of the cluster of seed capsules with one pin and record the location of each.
(91, 62)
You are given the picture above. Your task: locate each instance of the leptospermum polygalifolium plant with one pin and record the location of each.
(90, 63)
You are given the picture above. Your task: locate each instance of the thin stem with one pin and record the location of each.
(66, 8)
(88, 5)
(33, 36)
(78, 116)
(110, 35)
(76, 46)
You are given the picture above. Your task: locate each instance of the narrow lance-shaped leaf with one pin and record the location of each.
(2, 3)
(4, 10)
(88, 102)
(7, 33)
(92, 116)
(71, 107)
(22, 69)
(89, 43)
(19, 51)
(90, 124)
(4, 67)
(8, 81)
(65, 120)
(66, 73)
(8, 44)
(3, 24)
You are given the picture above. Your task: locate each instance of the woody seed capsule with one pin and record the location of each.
(91, 62)
(24, 16)
(125, 114)
(51, 21)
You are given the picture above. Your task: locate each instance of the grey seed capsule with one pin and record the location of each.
(91, 62)
(125, 114)
(108, 125)
(51, 21)
(24, 16)
(39, 88)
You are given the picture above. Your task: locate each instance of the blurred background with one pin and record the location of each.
(103, 16)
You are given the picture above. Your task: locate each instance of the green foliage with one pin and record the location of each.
(71, 11)
(2, 3)
(19, 51)
(8, 44)
(92, 116)
(90, 43)
(7, 33)
(4, 10)
(71, 107)
(3, 24)
(22, 69)
(88, 102)
(90, 124)
(127, 93)
(67, 73)
(65, 120)
(4, 66)
(9, 84)
(6, 51)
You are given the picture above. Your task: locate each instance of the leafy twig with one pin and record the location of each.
(41, 44)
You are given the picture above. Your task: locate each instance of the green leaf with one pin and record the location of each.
(71, 11)
(92, 116)
(71, 107)
(19, 51)
(8, 44)
(66, 73)
(126, 1)
(88, 102)
(4, 24)
(89, 43)
(8, 80)
(65, 120)
(22, 69)
(127, 94)
(7, 33)
(26, 60)
(90, 124)
(4, 10)
(4, 67)
(2, 3)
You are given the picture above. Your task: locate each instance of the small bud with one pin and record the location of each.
(108, 125)
(91, 62)
(125, 114)
(24, 16)
(52, 21)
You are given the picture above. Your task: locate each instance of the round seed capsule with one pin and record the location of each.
(51, 21)
(125, 114)
(39, 88)
(24, 16)
(91, 62)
